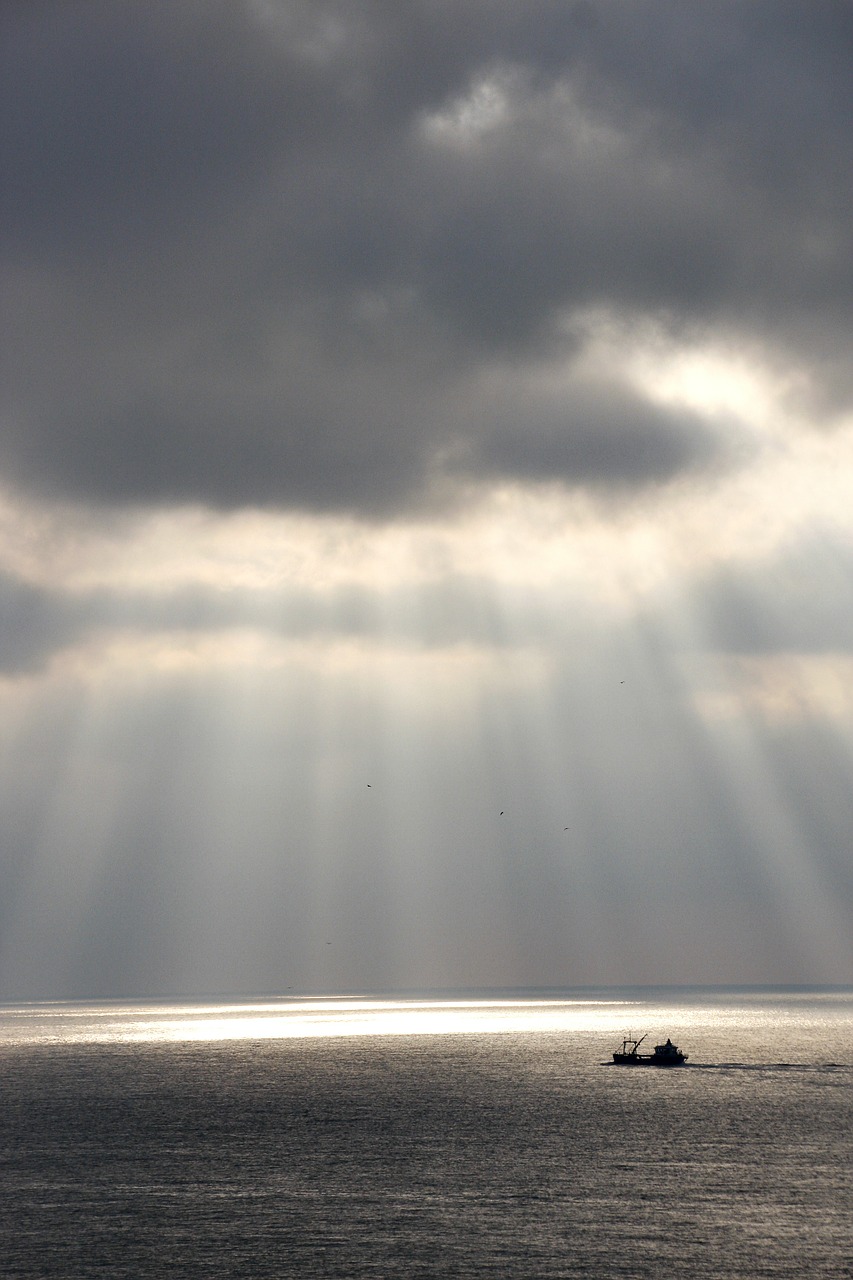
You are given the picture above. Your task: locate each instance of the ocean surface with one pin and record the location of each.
(454, 1136)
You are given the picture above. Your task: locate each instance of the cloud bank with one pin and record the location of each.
(342, 258)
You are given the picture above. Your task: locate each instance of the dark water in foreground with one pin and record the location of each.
(384, 1139)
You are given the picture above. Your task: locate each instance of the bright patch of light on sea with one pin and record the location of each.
(603, 1017)
(301, 1019)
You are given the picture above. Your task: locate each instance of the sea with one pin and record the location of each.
(449, 1134)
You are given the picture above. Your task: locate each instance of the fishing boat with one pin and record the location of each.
(665, 1055)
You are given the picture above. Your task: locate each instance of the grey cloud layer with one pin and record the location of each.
(38, 623)
(247, 261)
(798, 601)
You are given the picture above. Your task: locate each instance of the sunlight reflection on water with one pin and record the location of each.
(327, 1017)
(134, 1023)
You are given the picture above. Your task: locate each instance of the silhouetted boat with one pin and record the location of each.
(665, 1055)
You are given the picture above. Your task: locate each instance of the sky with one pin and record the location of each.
(426, 495)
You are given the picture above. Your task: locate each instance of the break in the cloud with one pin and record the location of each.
(448, 396)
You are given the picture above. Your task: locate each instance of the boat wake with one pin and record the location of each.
(769, 1066)
(821, 1068)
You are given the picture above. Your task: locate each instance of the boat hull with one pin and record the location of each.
(647, 1060)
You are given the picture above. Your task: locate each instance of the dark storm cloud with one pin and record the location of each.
(245, 260)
